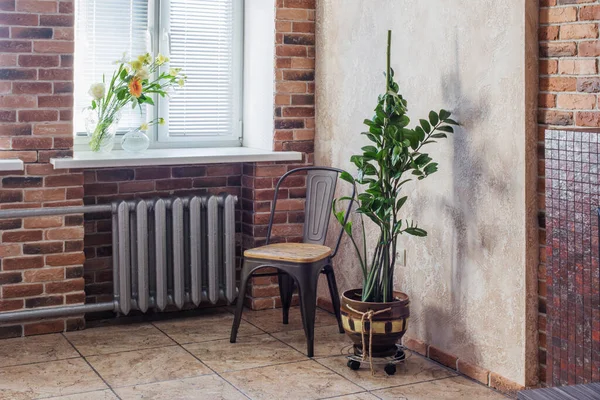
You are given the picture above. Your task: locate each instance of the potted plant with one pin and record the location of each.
(375, 316)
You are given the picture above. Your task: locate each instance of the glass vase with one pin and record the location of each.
(135, 141)
(102, 132)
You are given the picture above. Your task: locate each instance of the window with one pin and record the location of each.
(203, 37)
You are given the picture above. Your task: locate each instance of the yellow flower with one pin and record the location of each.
(143, 73)
(161, 121)
(160, 59)
(137, 64)
(181, 82)
(144, 58)
(144, 127)
(174, 71)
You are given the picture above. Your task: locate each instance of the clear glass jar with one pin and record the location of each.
(102, 133)
(135, 141)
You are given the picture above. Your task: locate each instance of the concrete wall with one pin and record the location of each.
(472, 280)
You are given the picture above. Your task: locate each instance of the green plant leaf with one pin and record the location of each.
(446, 128)
(425, 125)
(416, 232)
(347, 177)
(401, 202)
(451, 121)
(444, 114)
(422, 159)
(439, 136)
(430, 168)
(433, 118)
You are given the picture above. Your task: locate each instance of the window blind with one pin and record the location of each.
(203, 40)
(105, 29)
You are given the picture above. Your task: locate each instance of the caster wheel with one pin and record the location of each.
(390, 369)
(400, 355)
(353, 365)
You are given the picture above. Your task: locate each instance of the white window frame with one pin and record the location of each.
(158, 42)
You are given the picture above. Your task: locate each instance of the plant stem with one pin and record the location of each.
(388, 69)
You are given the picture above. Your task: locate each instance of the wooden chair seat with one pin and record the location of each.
(291, 252)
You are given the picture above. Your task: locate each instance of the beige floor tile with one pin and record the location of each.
(271, 320)
(328, 340)
(247, 352)
(302, 380)
(415, 369)
(457, 388)
(209, 387)
(97, 395)
(204, 328)
(147, 366)
(34, 349)
(116, 339)
(55, 378)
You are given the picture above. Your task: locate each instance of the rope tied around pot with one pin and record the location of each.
(368, 316)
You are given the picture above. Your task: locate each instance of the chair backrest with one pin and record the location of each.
(320, 190)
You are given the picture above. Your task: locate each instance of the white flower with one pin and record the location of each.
(97, 91)
(143, 73)
(124, 59)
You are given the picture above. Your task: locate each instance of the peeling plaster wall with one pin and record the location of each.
(472, 280)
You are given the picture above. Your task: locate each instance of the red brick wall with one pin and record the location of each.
(41, 258)
(294, 130)
(569, 87)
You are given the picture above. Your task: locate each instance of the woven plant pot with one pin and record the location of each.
(386, 328)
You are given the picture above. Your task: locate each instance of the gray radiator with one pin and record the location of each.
(172, 252)
(167, 252)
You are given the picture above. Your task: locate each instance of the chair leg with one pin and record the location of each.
(335, 296)
(286, 291)
(308, 304)
(246, 274)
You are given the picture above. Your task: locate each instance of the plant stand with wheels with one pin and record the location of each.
(402, 354)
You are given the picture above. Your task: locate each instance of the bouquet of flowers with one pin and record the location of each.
(134, 82)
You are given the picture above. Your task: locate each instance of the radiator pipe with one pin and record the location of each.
(54, 312)
(41, 212)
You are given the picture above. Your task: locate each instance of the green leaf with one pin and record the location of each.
(423, 159)
(368, 122)
(430, 168)
(433, 118)
(425, 125)
(149, 100)
(444, 115)
(94, 105)
(451, 121)
(420, 133)
(123, 74)
(370, 149)
(439, 135)
(416, 231)
(446, 128)
(401, 202)
(347, 177)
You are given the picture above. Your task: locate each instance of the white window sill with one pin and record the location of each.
(11, 165)
(121, 158)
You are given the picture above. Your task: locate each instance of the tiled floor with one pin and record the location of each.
(193, 359)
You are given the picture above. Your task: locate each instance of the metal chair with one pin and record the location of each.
(300, 263)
